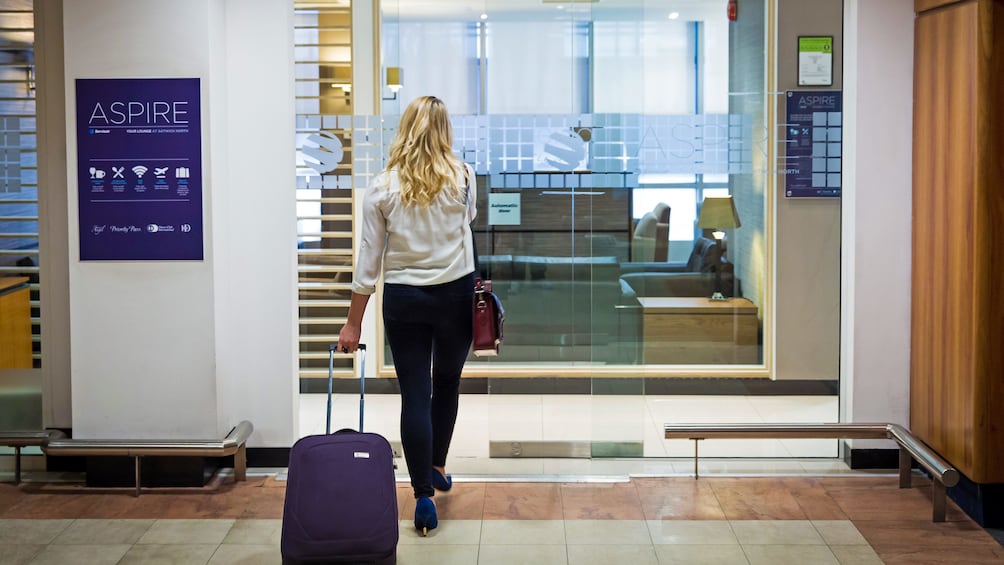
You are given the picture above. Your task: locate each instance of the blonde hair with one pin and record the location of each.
(422, 152)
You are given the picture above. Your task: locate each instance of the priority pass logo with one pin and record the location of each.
(156, 228)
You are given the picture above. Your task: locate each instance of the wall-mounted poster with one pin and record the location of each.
(813, 143)
(815, 61)
(139, 169)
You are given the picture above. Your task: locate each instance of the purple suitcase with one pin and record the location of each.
(341, 496)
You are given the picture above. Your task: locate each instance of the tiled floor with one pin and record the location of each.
(780, 520)
(755, 503)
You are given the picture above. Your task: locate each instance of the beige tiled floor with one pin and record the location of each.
(806, 508)
(783, 519)
(218, 541)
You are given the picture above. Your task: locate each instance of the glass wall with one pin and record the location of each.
(599, 132)
(624, 162)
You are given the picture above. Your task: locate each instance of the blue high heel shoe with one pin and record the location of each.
(439, 482)
(425, 516)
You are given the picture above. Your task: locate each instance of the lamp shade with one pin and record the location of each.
(395, 78)
(718, 213)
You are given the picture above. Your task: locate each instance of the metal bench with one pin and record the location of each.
(911, 448)
(235, 443)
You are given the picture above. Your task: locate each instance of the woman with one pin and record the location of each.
(416, 221)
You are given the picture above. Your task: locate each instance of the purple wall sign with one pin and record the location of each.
(139, 169)
(813, 143)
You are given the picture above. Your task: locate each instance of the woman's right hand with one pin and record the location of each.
(348, 338)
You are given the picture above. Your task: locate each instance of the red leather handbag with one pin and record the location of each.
(489, 319)
(488, 316)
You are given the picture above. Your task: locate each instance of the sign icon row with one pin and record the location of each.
(139, 171)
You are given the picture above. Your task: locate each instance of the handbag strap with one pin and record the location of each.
(474, 240)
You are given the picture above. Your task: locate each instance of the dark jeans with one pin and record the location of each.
(429, 331)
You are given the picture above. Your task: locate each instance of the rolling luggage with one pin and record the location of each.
(341, 497)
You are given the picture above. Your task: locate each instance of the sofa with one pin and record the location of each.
(586, 308)
(696, 277)
(650, 239)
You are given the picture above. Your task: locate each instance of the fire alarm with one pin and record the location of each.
(733, 10)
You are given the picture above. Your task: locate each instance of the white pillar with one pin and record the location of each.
(877, 222)
(185, 349)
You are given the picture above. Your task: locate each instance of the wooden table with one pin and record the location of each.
(15, 323)
(691, 330)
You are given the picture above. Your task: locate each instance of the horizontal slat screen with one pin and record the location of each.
(19, 247)
(323, 83)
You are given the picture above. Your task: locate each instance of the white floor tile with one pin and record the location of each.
(607, 532)
(521, 554)
(789, 555)
(701, 555)
(692, 532)
(812, 447)
(437, 554)
(523, 532)
(797, 409)
(607, 554)
(776, 532)
(449, 532)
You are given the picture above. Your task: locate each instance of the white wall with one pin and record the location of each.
(185, 349)
(876, 224)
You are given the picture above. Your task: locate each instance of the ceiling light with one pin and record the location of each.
(484, 16)
(674, 15)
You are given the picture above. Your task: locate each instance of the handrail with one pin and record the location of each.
(924, 455)
(233, 444)
(910, 447)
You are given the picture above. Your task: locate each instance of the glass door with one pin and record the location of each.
(621, 152)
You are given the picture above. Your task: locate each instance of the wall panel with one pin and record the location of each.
(957, 241)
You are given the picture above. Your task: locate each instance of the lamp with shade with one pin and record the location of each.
(394, 81)
(718, 214)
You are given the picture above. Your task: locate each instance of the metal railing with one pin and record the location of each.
(911, 448)
(235, 443)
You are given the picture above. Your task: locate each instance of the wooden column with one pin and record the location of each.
(15, 323)
(957, 349)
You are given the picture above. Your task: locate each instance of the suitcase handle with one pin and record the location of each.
(362, 384)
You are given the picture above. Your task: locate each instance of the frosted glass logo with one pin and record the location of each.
(562, 151)
(326, 155)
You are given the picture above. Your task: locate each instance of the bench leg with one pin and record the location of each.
(241, 463)
(17, 465)
(138, 478)
(938, 501)
(697, 474)
(905, 468)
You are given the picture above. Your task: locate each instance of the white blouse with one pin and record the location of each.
(415, 245)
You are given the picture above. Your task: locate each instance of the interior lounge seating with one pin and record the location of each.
(587, 307)
(696, 277)
(650, 240)
(555, 301)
